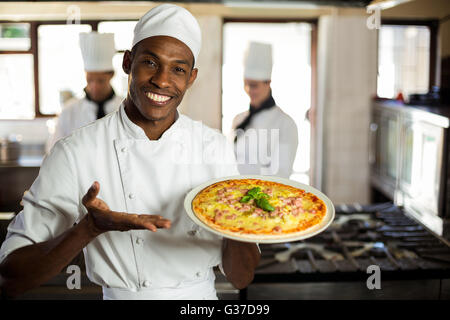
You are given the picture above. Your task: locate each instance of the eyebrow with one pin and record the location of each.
(148, 52)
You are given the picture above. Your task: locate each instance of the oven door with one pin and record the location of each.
(421, 171)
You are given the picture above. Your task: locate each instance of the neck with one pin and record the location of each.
(153, 129)
(266, 102)
(103, 99)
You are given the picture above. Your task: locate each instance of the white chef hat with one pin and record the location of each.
(173, 21)
(97, 50)
(258, 61)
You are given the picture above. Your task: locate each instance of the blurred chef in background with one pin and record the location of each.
(99, 99)
(271, 134)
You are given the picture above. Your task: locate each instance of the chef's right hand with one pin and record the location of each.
(102, 219)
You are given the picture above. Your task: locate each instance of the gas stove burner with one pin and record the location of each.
(391, 228)
(349, 235)
(401, 253)
(358, 221)
(358, 208)
(319, 251)
(358, 249)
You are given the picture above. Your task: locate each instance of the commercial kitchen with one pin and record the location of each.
(367, 84)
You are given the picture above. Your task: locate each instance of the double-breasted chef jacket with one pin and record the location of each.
(280, 148)
(136, 175)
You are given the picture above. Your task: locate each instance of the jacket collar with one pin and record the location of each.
(136, 132)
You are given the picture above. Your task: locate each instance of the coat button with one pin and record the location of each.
(124, 149)
(131, 196)
(146, 283)
(198, 274)
(139, 240)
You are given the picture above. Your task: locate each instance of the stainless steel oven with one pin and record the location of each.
(409, 160)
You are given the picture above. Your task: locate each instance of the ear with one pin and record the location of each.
(126, 62)
(193, 76)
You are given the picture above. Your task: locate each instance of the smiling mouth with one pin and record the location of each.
(158, 98)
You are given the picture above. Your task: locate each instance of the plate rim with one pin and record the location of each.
(308, 233)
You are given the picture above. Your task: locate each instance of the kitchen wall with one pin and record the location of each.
(347, 66)
(203, 101)
(444, 35)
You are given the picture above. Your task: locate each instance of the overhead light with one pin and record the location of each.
(385, 4)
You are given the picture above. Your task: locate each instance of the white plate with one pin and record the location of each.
(314, 230)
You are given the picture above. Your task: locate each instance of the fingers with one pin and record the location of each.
(129, 221)
(150, 222)
(162, 223)
(153, 223)
(92, 193)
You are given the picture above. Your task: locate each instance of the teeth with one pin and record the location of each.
(157, 97)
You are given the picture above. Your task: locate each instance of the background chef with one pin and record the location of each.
(132, 157)
(259, 149)
(99, 98)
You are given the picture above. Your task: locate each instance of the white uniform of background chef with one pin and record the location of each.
(97, 50)
(260, 150)
(145, 158)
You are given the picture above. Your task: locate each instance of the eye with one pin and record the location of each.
(149, 63)
(179, 70)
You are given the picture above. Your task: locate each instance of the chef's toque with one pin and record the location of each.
(97, 50)
(258, 61)
(173, 21)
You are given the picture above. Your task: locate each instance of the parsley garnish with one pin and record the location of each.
(261, 199)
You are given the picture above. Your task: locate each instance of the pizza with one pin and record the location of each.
(257, 208)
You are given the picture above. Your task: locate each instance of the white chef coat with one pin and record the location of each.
(136, 175)
(270, 125)
(78, 113)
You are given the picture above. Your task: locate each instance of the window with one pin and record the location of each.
(123, 38)
(15, 36)
(403, 60)
(16, 86)
(61, 68)
(41, 64)
(16, 72)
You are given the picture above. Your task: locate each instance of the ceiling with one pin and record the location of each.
(338, 3)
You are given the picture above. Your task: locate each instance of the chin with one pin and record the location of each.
(151, 114)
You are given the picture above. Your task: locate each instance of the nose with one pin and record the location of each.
(160, 78)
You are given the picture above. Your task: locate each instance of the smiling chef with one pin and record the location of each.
(115, 188)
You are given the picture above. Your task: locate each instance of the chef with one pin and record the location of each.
(115, 188)
(99, 98)
(266, 138)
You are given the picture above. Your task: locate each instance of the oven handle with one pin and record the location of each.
(373, 128)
